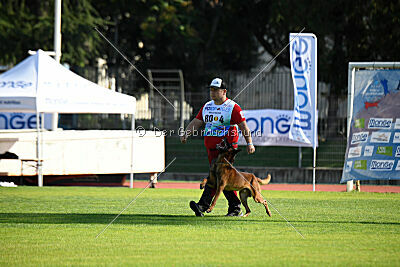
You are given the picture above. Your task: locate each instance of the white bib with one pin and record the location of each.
(217, 118)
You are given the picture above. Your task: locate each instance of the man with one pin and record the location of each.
(220, 116)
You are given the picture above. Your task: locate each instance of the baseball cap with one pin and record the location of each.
(217, 83)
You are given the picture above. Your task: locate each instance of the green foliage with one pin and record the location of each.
(58, 225)
(346, 31)
(29, 25)
(199, 36)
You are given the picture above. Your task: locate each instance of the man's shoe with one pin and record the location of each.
(235, 213)
(197, 210)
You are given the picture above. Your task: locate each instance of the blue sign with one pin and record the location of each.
(373, 145)
(22, 120)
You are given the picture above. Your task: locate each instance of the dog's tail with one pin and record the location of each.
(264, 181)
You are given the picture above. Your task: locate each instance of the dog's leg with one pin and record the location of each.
(266, 208)
(220, 188)
(244, 194)
(258, 197)
(203, 183)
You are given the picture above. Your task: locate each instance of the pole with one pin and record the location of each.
(132, 132)
(57, 48)
(314, 166)
(315, 113)
(182, 101)
(38, 151)
(300, 158)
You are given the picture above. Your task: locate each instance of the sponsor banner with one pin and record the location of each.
(355, 152)
(361, 137)
(384, 150)
(380, 137)
(368, 151)
(397, 154)
(360, 123)
(14, 121)
(379, 123)
(398, 166)
(270, 127)
(397, 124)
(396, 137)
(303, 62)
(360, 164)
(374, 125)
(381, 165)
(347, 167)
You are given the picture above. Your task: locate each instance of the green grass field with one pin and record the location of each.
(58, 225)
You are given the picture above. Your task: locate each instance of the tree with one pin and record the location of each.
(196, 36)
(29, 25)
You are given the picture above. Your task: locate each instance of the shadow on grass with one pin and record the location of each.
(148, 219)
(89, 218)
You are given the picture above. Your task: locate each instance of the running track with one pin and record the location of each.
(280, 187)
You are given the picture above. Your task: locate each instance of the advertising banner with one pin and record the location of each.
(10, 120)
(270, 127)
(373, 146)
(303, 62)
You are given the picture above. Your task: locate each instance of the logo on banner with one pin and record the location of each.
(396, 138)
(15, 84)
(381, 165)
(280, 124)
(359, 123)
(398, 166)
(368, 150)
(302, 57)
(384, 150)
(397, 154)
(360, 164)
(359, 138)
(379, 123)
(380, 137)
(349, 164)
(397, 124)
(354, 152)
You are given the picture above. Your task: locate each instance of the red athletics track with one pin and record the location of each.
(279, 187)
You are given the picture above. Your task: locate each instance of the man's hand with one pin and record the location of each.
(250, 149)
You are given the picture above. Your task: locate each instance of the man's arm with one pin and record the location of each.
(247, 135)
(193, 126)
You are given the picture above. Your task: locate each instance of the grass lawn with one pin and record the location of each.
(58, 225)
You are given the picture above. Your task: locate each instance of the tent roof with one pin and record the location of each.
(39, 83)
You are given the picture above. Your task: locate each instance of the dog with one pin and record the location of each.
(224, 177)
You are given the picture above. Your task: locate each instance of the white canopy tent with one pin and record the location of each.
(39, 84)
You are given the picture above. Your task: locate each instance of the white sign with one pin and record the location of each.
(355, 152)
(368, 150)
(303, 62)
(270, 127)
(380, 137)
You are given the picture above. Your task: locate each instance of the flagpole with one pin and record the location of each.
(315, 113)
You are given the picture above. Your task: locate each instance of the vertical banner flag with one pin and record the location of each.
(303, 62)
(373, 145)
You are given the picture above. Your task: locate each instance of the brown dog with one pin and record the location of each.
(224, 177)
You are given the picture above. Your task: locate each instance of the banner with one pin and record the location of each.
(303, 62)
(270, 127)
(373, 145)
(9, 120)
